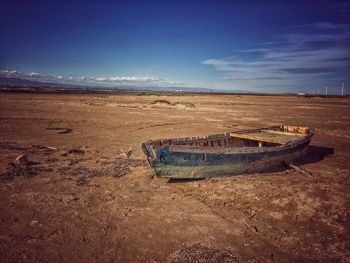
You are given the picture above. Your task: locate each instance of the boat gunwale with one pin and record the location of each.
(225, 150)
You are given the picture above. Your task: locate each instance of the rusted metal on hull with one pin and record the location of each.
(218, 155)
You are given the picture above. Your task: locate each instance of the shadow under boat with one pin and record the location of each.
(314, 154)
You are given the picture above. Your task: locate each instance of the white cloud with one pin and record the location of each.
(91, 81)
(8, 72)
(310, 53)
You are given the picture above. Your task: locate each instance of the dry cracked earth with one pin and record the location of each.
(80, 199)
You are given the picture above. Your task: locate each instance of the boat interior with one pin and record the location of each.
(265, 137)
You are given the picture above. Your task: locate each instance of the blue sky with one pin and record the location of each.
(259, 46)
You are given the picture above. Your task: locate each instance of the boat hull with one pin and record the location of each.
(177, 164)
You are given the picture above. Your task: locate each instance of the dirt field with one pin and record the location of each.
(85, 203)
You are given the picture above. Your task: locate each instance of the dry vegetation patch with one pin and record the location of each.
(117, 168)
(175, 104)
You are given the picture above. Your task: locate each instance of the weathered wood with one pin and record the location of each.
(284, 133)
(50, 148)
(181, 158)
(298, 169)
(21, 160)
(261, 137)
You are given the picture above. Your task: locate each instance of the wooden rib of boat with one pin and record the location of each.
(231, 153)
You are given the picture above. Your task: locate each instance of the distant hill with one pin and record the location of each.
(24, 82)
(18, 81)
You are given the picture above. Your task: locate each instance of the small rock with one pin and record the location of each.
(33, 222)
(21, 160)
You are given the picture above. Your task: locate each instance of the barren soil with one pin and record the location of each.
(85, 202)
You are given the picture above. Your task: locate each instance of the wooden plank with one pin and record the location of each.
(259, 138)
(298, 169)
(293, 128)
(284, 133)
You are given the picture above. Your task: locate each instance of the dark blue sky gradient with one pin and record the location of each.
(211, 44)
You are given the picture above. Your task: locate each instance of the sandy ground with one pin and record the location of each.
(84, 203)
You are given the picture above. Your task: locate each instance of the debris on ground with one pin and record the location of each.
(21, 160)
(25, 168)
(299, 170)
(44, 147)
(76, 151)
(118, 168)
(202, 254)
(126, 154)
(61, 130)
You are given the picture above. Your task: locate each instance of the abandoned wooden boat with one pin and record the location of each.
(231, 153)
